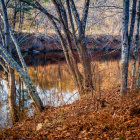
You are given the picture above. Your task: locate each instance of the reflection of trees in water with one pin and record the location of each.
(1, 89)
(52, 76)
(22, 98)
(5, 118)
(54, 81)
(54, 84)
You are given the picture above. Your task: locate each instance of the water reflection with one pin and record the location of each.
(4, 108)
(54, 85)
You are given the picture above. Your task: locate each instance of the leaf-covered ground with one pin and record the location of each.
(106, 117)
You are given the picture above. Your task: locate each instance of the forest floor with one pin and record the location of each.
(106, 117)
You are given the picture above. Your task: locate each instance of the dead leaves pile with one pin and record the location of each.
(118, 119)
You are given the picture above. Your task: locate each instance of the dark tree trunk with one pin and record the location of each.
(15, 14)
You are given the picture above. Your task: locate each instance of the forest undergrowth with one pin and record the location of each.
(106, 117)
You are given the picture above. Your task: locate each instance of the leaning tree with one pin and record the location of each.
(9, 65)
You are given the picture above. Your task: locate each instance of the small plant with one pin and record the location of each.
(122, 137)
(62, 110)
(62, 113)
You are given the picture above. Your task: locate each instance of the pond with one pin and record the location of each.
(54, 85)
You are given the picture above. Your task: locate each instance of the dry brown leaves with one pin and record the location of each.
(108, 117)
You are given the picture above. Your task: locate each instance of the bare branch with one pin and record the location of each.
(107, 6)
(1, 35)
(3, 66)
(85, 14)
(41, 8)
(17, 47)
(75, 13)
(61, 12)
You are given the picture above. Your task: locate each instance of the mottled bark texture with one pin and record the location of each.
(6, 56)
(11, 87)
(127, 37)
(136, 49)
(124, 55)
(138, 78)
(23, 75)
(11, 90)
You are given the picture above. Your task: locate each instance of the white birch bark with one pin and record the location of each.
(124, 54)
(24, 76)
(11, 87)
(136, 47)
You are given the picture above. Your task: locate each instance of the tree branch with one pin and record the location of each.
(61, 12)
(85, 14)
(41, 8)
(17, 47)
(76, 15)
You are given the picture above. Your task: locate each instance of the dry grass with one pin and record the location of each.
(106, 74)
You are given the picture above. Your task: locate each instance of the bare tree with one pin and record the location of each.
(136, 49)
(137, 39)
(127, 38)
(71, 38)
(11, 88)
(10, 65)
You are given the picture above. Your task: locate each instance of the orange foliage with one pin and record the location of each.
(84, 119)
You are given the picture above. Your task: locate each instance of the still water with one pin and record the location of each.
(54, 85)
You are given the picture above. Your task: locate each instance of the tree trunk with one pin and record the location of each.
(136, 48)
(124, 55)
(132, 25)
(11, 90)
(11, 87)
(24, 76)
(138, 79)
(63, 19)
(15, 14)
(86, 66)
(81, 82)
(6, 55)
(81, 45)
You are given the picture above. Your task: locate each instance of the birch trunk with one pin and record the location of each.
(24, 76)
(132, 25)
(5, 54)
(124, 54)
(136, 48)
(11, 87)
(138, 79)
